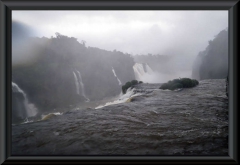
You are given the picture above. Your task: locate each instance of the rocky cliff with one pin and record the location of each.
(45, 70)
(212, 63)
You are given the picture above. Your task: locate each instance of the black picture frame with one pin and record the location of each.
(6, 6)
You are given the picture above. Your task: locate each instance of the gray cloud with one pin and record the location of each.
(179, 33)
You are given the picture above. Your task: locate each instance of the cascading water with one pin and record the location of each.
(155, 123)
(122, 98)
(140, 68)
(82, 86)
(78, 81)
(149, 70)
(136, 72)
(142, 74)
(21, 108)
(119, 82)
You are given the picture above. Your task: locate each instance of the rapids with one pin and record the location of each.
(191, 121)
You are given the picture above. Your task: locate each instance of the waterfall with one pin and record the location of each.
(122, 98)
(119, 82)
(78, 83)
(22, 109)
(140, 69)
(82, 86)
(149, 70)
(136, 74)
(142, 72)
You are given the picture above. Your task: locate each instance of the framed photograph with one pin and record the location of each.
(118, 81)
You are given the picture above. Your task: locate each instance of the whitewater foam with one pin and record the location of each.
(48, 116)
(122, 98)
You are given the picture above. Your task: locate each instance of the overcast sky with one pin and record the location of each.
(183, 33)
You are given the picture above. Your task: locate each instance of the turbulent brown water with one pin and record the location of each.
(191, 121)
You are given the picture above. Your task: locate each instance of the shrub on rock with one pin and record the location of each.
(179, 83)
(129, 84)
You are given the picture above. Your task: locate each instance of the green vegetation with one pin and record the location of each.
(179, 83)
(46, 75)
(212, 63)
(130, 84)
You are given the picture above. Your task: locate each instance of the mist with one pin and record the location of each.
(21, 33)
(128, 82)
(182, 34)
(134, 32)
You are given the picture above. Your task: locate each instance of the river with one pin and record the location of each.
(191, 121)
